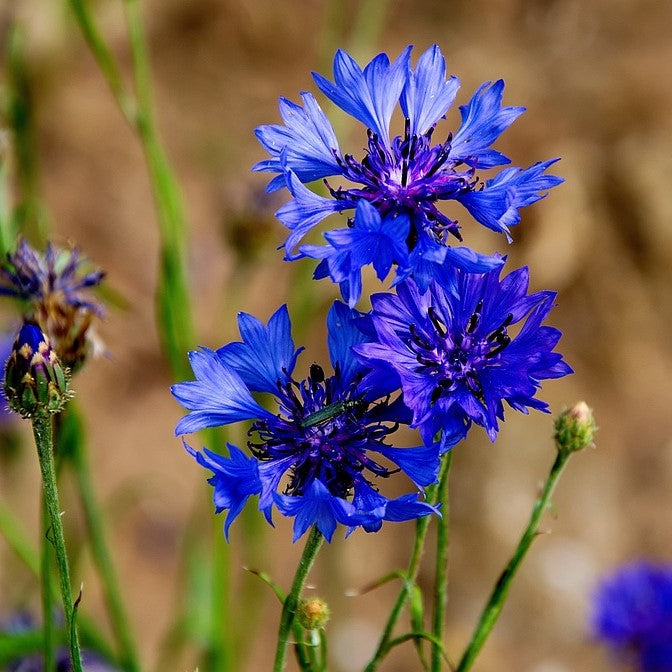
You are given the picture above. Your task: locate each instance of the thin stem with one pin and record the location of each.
(496, 602)
(105, 60)
(411, 574)
(45, 450)
(441, 564)
(100, 550)
(49, 632)
(291, 603)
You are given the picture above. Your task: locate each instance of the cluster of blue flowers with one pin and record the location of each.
(444, 352)
(633, 616)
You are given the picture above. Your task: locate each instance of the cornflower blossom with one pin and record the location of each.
(315, 456)
(54, 288)
(454, 356)
(632, 615)
(400, 180)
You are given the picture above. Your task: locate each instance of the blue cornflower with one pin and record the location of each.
(632, 615)
(453, 353)
(54, 288)
(315, 456)
(400, 180)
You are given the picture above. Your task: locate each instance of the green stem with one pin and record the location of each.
(101, 553)
(45, 450)
(291, 603)
(441, 564)
(496, 602)
(411, 574)
(49, 632)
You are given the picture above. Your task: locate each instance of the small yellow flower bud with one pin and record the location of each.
(313, 613)
(575, 428)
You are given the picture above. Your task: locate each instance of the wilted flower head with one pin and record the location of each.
(632, 615)
(315, 457)
(54, 290)
(399, 182)
(463, 348)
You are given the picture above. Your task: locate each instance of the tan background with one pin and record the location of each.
(595, 77)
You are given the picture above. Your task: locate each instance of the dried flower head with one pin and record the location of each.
(54, 290)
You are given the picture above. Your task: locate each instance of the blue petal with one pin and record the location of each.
(316, 507)
(307, 138)
(370, 240)
(304, 211)
(372, 508)
(483, 121)
(235, 479)
(368, 95)
(496, 206)
(420, 464)
(342, 335)
(427, 95)
(217, 397)
(266, 357)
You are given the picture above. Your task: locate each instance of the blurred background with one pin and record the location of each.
(596, 78)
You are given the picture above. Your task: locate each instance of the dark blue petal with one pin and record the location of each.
(316, 507)
(217, 397)
(235, 479)
(266, 357)
(420, 464)
(342, 334)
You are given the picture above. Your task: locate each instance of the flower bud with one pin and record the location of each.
(575, 428)
(35, 381)
(313, 613)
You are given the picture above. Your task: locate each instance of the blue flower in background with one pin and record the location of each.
(316, 456)
(453, 352)
(24, 623)
(399, 182)
(632, 615)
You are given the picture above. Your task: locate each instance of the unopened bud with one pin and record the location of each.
(313, 613)
(35, 381)
(575, 428)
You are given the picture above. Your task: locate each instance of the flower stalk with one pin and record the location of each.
(291, 603)
(441, 563)
(42, 431)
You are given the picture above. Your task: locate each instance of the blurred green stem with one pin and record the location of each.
(495, 604)
(291, 603)
(42, 432)
(441, 564)
(31, 216)
(174, 313)
(77, 453)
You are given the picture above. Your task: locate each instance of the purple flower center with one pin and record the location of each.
(325, 433)
(408, 177)
(455, 359)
